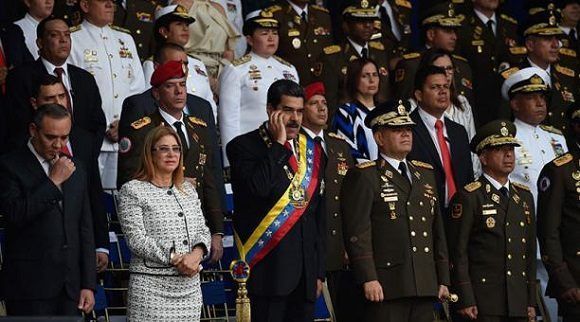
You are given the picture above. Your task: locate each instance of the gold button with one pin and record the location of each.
(522, 223)
(414, 249)
(138, 31)
(426, 249)
(335, 197)
(523, 240)
(411, 218)
(420, 203)
(509, 273)
(388, 264)
(507, 223)
(578, 253)
(509, 256)
(483, 280)
(335, 215)
(523, 256)
(413, 233)
(309, 55)
(425, 234)
(408, 203)
(140, 45)
(509, 240)
(423, 219)
(524, 274)
(335, 181)
(333, 232)
(315, 41)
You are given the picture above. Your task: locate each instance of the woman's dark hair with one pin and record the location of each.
(353, 74)
(428, 58)
(283, 87)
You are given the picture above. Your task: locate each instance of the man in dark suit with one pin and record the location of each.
(13, 49)
(50, 90)
(276, 180)
(197, 131)
(438, 140)
(393, 227)
(341, 287)
(55, 44)
(49, 262)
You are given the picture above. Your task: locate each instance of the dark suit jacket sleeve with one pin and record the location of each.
(98, 122)
(14, 46)
(87, 240)
(21, 207)
(100, 223)
(217, 164)
(550, 209)
(18, 109)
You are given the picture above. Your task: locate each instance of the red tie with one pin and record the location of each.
(65, 151)
(3, 65)
(59, 71)
(446, 156)
(292, 160)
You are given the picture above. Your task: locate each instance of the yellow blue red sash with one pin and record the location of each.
(284, 214)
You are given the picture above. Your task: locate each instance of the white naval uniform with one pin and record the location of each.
(197, 80)
(28, 25)
(111, 57)
(538, 148)
(243, 93)
(233, 10)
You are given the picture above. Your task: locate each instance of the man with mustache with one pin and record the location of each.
(277, 180)
(393, 227)
(491, 235)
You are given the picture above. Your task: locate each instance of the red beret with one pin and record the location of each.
(316, 88)
(169, 70)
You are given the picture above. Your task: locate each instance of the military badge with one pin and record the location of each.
(487, 188)
(293, 33)
(490, 222)
(495, 198)
(457, 211)
(342, 168)
(124, 145)
(392, 214)
(343, 70)
(199, 71)
(576, 175)
(124, 51)
(296, 43)
(544, 183)
(383, 71)
(144, 16)
(288, 75)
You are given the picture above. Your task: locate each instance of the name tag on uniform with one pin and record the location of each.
(91, 55)
(293, 33)
(487, 212)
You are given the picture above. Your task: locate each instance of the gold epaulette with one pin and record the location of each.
(471, 187)
(421, 164)
(508, 72)
(518, 50)
(460, 57)
(336, 136)
(565, 71)
(521, 186)
(197, 121)
(141, 122)
(127, 31)
(376, 45)
(457, 1)
(567, 52)
(319, 8)
(366, 164)
(282, 61)
(411, 55)
(74, 28)
(273, 8)
(329, 50)
(563, 159)
(404, 3)
(551, 129)
(242, 60)
(508, 18)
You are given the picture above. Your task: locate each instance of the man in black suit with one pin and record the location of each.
(438, 140)
(50, 90)
(55, 44)
(276, 180)
(13, 49)
(202, 159)
(49, 262)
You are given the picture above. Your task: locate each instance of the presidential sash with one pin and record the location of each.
(289, 208)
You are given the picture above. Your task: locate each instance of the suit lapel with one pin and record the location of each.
(453, 136)
(395, 176)
(424, 136)
(35, 169)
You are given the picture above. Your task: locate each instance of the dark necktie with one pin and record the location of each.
(181, 135)
(59, 71)
(303, 17)
(403, 169)
(490, 27)
(572, 35)
(364, 53)
(504, 191)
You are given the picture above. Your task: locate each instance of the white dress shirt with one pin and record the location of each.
(171, 120)
(315, 135)
(485, 19)
(395, 164)
(28, 25)
(496, 184)
(358, 48)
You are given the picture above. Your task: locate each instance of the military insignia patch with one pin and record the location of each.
(457, 211)
(197, 121)
(383, 71)
(124, 145)
(472, 186)
(141, 122)
(576, 175)
(399, 75)
(490, 222)
(563, 159)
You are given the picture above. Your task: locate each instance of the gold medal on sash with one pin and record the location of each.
(298, 197)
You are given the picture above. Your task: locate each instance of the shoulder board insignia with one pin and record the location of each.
(127, 31)
(411, 55)
(422, 164)
(460, 58)
(329, 50)
(336, 136)
(550, 129)
(376, 45)
(567, 52)
(519, 50)
(282, 61)
(457, 1)
(366, 164)
(471, 187)
(242, 60)
(404, 3)
(521, 186)
(565, 71)
(319, 8)
(508, 72)
(563, 159)
(508, 18)
(197, 121)
(75, 28)
(273, 8)
(141, 122)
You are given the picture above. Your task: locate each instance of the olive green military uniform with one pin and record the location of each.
(394, 234)
(196, 161)
(138, 17)
(488, 55)
(301, 42)
(558, 227)
(408, 66)
(334, 67)
(402, 12)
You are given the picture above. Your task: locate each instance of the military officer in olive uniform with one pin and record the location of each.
(359, 21)
(491, 233)
(305, 30)
(394, 26)
(440, 25)
(488, 40)
(138, 16)
(392, 224)
(198, 158)
(558, 224)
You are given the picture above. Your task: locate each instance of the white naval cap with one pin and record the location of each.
(178, 12)
(527, 80)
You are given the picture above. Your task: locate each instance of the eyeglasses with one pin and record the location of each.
(166, 149)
